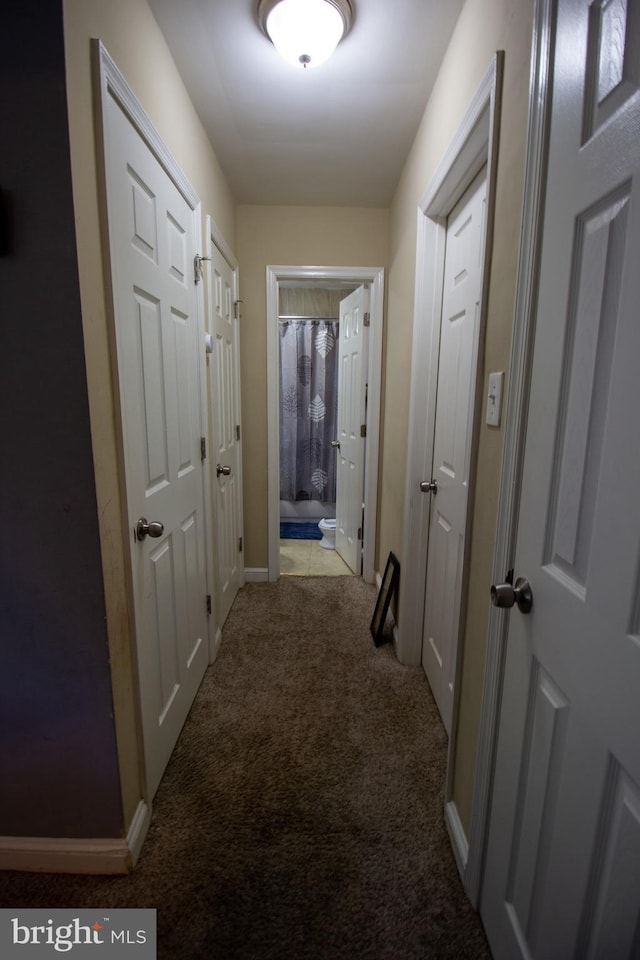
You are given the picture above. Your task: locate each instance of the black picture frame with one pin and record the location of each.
(387, 587)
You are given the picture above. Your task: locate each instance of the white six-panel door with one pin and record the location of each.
(152, 233)
(224, 372)
(460, 327)
(352, 394)
(562, 875)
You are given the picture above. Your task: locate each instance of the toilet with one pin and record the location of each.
(328, 531)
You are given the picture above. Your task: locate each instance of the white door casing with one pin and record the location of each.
(224, 370)
(352, 419)
(562, 871)
(455, 402)
(473, 147)
(153, 230)
(374, 278)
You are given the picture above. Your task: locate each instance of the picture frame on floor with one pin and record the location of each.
(387, 587)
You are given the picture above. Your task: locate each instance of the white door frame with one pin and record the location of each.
(110, 83)
(214, 235)
(516, 406)
(473, 146)
(375, 277)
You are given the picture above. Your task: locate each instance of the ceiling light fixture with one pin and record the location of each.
(305, 32)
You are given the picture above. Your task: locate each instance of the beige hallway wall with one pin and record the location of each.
(296, 236)
(132, 37)
(484, 27)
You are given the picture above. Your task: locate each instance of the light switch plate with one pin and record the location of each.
(494, 399)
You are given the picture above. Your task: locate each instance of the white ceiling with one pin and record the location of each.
(336, 135)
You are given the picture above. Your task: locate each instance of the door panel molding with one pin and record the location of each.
(215, 238)
(114, 98)
(587, 875)
(374, 276)
(473, 146)
(113, 84)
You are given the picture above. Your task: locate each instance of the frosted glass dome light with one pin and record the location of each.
(305, 32)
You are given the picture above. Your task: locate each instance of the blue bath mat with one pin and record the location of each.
(300, 531)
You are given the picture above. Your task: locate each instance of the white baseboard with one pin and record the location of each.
(215, 646)
(256, 574)
(70, 855)
(61, 855)
(459, 842)
(138, 830)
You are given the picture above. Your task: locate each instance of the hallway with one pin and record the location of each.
(302, 812)
(306, 558)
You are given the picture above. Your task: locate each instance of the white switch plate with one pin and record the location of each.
(494, 399)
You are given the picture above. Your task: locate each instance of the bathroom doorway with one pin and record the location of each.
(304, 307)
(308, 375)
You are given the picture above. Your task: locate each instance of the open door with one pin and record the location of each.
(352, 430)
(224, 368)
(562, 871)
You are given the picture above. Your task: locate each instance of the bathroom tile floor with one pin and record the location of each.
(306, 558)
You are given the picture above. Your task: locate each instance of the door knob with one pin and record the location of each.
(506, 595)
(223, 471)
(335, 444)
(429, 486)
(144, 528)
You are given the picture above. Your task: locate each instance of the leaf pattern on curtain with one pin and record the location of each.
(319, 479)
(325, 342)
(317, 409)
(290, 403)
(313, 447)
(308, 409)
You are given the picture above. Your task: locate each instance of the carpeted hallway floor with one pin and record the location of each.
(301, 815)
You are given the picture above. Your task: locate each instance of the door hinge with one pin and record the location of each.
(208, 604)
(238, 431)
(367, 319)
(197, 267)
(236, 308)
(203, 448)
(363, 430)
(359, 533)
(239, 544)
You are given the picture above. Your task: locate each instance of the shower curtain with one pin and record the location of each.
(308, 409)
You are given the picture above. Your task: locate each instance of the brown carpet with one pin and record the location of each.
(301, 815)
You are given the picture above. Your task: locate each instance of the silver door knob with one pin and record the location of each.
(429, 486)
(223, 471)
(506, 595)
(335, 444)
(144, 528)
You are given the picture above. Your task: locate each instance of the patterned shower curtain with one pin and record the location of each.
(308, 409)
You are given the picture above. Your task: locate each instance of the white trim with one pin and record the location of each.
(70, 855)
(61, 855)
(138, 830)
(216, 644)
(213, 235)
(457, 836)
(375, 277)
(514, 431)
(472, 147)
(113, 84)
(205, 431)
(256, 575)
